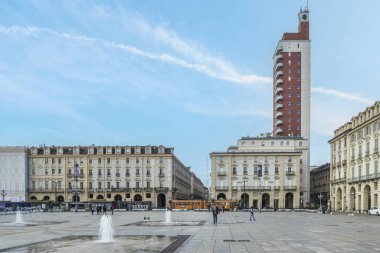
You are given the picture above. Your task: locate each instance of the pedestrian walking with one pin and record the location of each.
(112, 207)
(104, 209)
(215, 212)
(252, 217)
(92, 209)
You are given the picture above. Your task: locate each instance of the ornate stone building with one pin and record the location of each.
(260, 172)
(320, 185)
(354, 171)
(124, 174)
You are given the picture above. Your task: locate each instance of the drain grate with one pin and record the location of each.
(176, 244)
(236, 240)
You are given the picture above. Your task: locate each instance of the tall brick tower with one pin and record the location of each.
(291, 82)
(291, 92)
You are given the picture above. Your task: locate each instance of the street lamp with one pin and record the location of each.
(55, 192)
(320, 196)
(243, 182)
(75, 190)
(3, 193)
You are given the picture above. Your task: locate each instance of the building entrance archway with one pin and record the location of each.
(289, 200)
(244, 200)
(137, 197)
(221, 196)
(161, 200)
(367, 198)
(265, 200)
(352, 199)
(338, 199)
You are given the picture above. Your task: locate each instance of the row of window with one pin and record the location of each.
(58, 185)
(272, 145)
(90, 172)
(81, 161)
(360, 171)
(365, 131)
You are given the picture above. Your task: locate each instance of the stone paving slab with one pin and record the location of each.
(271, 232)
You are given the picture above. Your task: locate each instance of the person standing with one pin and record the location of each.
(215, 212)
(252, 217)
(92, 209)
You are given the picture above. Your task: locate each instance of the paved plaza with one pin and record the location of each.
(271, 232)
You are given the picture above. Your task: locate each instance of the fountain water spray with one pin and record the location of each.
(106, 231)
(168, 216)
(19, 219)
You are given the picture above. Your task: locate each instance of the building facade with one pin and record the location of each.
(263, 172)
(13, 174)
(320, 185)
(354, 170)
(121, 174)
(291, 90)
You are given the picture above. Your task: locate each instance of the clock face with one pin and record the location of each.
(304, 17)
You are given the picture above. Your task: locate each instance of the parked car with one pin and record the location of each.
(374, 211)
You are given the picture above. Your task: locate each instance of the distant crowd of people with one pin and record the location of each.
(101, 208)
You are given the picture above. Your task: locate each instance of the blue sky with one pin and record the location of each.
(193, 75)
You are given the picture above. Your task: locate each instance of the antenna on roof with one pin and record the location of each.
(307, 4)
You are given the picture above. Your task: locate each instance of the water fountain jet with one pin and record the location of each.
(19, 219)
(168, 216)
(106, 230)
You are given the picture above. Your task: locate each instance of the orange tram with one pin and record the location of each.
(198, 204)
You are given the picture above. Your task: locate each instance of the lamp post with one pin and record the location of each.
(75, 190)
(3, 193)
(243, 182)
(55, 192)
(320, 196)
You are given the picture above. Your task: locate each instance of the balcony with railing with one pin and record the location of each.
(279, 50)
(290, 188)
(234, 188)
(161, 174)
(278, 58)
(278, 131)
(221, 173)
(279, 106)
(279, 90)
(279, 74)
(279, 82)
(290, 173)
(279, 114)
(279, 66)
(277, 188)
(137, 189)
(221, 188)
(279, 122)
(363, 178)
(278, 98)
(161, 189)
(45, 190)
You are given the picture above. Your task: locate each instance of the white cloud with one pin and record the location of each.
(202, 63)
(341, 94)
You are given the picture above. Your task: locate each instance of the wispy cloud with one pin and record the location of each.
(340, 94)
(205, 64)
